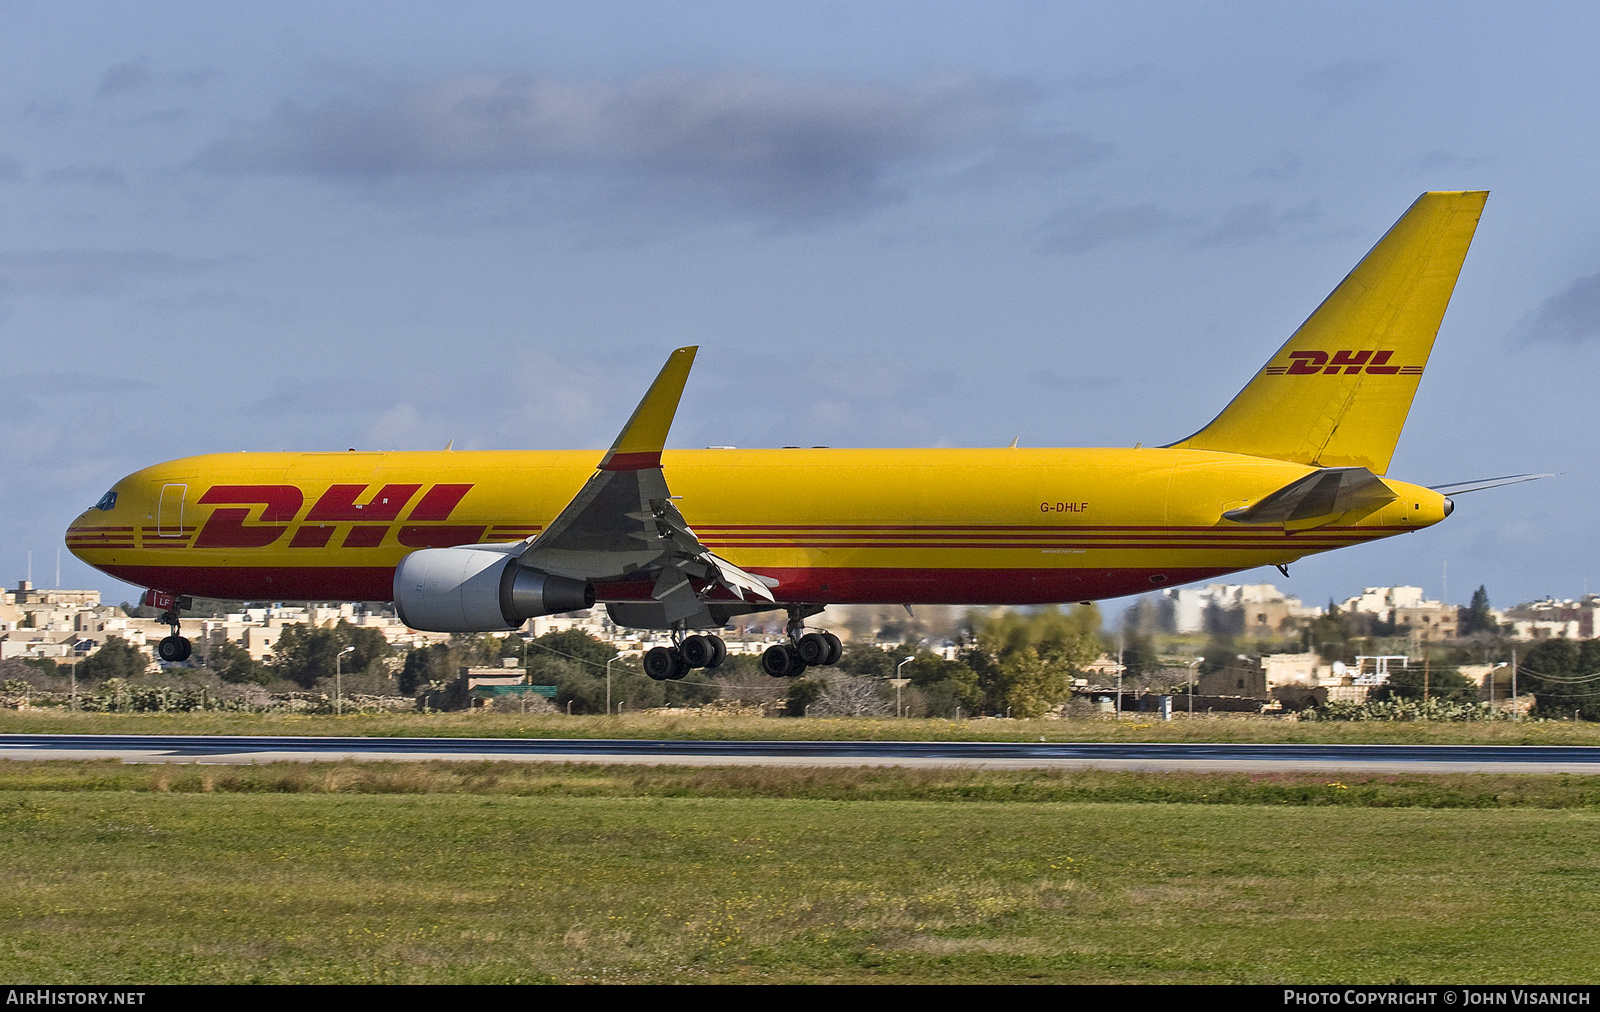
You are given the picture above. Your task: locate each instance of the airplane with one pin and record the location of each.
(684, 540)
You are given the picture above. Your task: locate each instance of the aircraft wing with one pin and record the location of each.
(1319, 498)
(623, 522)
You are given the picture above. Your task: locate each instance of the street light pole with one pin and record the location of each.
(1192, 664)
(338, 683)
(898, 680)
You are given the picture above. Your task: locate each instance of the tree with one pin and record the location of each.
(1437, 681)
(307, 654)
(1564, 677)
(1139, 659)
(1475, 617)
(868, 661)
(233, 663)
(802, 693)
(116, 659)
(851, 697)
(1025, 661)
(573, 644)
(423, 665)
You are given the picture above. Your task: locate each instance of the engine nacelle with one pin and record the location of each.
(479, 590)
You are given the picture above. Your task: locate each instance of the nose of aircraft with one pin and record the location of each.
(101, 526)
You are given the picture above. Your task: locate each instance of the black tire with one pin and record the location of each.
(720, 651)
(184, 649)
(835, 649)
(660, 663)
(170, 649)
(814, 650)
(781, 661)
(697, 651)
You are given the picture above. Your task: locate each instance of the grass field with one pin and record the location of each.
(521, 872)
(694, 725)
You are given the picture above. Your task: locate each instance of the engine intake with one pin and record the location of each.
(479, 590)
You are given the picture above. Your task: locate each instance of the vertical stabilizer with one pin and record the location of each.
(1337, 393)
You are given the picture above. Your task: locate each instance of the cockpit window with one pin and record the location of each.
(107, 501)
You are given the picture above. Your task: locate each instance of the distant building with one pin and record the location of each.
(1294, 680)
(1405, 606)
(1552, 619)
(1258, 611)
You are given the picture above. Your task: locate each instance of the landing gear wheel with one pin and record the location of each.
(697, 651)
(663, 663)
(835, 649)
(173, 649)
(721, 652)
(782, 661)
(814, 649)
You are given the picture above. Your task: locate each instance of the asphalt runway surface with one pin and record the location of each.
(961, 754)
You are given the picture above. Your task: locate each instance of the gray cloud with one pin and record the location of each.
(1050, 379)
(1282, 165)
(1243, 225)
(1571, 317)
(1343, 81)
(125, 77)
(744, 143)
(65, 383)
(1078, 231)
(1111, 81)
(87, 175)
(1440, 160)
(292, 396)
(74, 272)
(1038, 155)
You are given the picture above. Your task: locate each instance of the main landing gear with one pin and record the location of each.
(804, 649)
(686, 654)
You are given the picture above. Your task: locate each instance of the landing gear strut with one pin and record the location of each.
(687, 653)
(804, 649)
(173, 649)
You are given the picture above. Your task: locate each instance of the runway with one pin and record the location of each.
(1209, 757)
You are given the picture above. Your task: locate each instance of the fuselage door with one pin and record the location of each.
(169, 513)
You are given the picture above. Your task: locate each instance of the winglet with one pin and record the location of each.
(639, 444)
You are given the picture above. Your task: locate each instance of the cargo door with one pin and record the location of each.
(169, 511)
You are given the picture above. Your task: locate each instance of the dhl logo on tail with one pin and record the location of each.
(1313, 363)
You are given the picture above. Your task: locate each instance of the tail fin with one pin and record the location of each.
(1337, 393)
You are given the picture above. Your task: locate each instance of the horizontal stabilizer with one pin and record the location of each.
(1317, 499)
(1479, 484)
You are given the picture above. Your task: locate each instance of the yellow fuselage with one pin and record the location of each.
(958, 526)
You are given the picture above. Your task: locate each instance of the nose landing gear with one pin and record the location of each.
(173, 649)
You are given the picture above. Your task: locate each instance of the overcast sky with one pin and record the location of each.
(233, 226)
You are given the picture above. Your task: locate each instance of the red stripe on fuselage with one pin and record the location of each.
(834, 586)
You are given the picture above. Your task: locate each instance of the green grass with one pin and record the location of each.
(830, 783)
(690, 725)
(516, 872)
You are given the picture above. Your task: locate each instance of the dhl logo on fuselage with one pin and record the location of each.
(371, 520)
(1317, 363)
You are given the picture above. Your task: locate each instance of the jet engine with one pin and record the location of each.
(478, 590)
